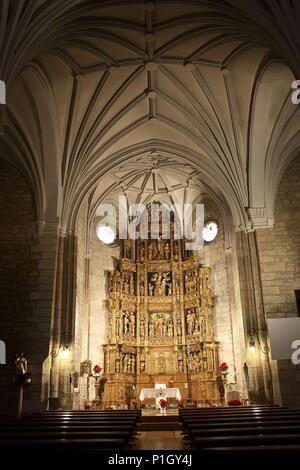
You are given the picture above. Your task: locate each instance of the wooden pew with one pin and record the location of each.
(254, 430)
(234, 424)
(61, 444)
(68, 430)
(247, 440)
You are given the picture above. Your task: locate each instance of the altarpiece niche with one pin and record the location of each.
(160, 317)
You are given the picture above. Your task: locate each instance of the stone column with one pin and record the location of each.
(258, 364)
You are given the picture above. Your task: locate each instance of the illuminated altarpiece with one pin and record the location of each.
(160, 323)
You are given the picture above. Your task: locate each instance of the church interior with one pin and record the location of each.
(142, 342)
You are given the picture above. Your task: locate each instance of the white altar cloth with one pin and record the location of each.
(160, 393)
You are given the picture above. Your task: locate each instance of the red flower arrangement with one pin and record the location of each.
(234, 403)
(223, 367)
(97, 369)
(163, 403)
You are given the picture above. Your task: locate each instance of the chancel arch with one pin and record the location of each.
(176, 102)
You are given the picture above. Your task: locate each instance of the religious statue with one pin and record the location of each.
(132, 324)
(21, 364)
(126, 366)
(160, 283)
(150, 251)
(180, 366)
(159, 326)
(132, 364)
(151, 330)
(157, 278)
(126, 286)
(128, 248)
(126, 324)
(142, 287)
(142, 251)
(151, 287)
(142, 329)
(131, 284)
(160, 244)
(190, 320)
(117, 326)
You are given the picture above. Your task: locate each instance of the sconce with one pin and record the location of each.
(252, 346)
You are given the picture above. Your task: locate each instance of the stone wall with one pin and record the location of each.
(19, 326)
(227, 332)
(213, 255)
(102, 260)
(279, 255)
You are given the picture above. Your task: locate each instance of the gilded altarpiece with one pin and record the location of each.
(160, 309)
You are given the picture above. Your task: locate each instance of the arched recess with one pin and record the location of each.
(273, 123)
(34, 125)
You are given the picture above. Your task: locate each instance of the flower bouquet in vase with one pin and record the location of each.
(97, 371)
(163, 406)
(224, 369)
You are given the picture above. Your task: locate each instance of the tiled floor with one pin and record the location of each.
(160, 440)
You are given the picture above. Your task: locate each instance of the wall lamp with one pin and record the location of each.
(252, 343)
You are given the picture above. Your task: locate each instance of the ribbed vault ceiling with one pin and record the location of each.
(181, 98)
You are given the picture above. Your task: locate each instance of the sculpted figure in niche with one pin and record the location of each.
(151, 287)
(128, 247)
(142, 288)
(151, 329)
(157, 279)
(160, 244)
(142, 329)
(126, 286)
(167, 250)
(150, 251)
(132, 324)
(117, 326)
(197, 325)
(179, 328)
(190, 319)
(131, 284)
(180, 366)
(132, 364)
(126, 363)
(142, 252)
(159, 326)
(163, 286)
(126, 324)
